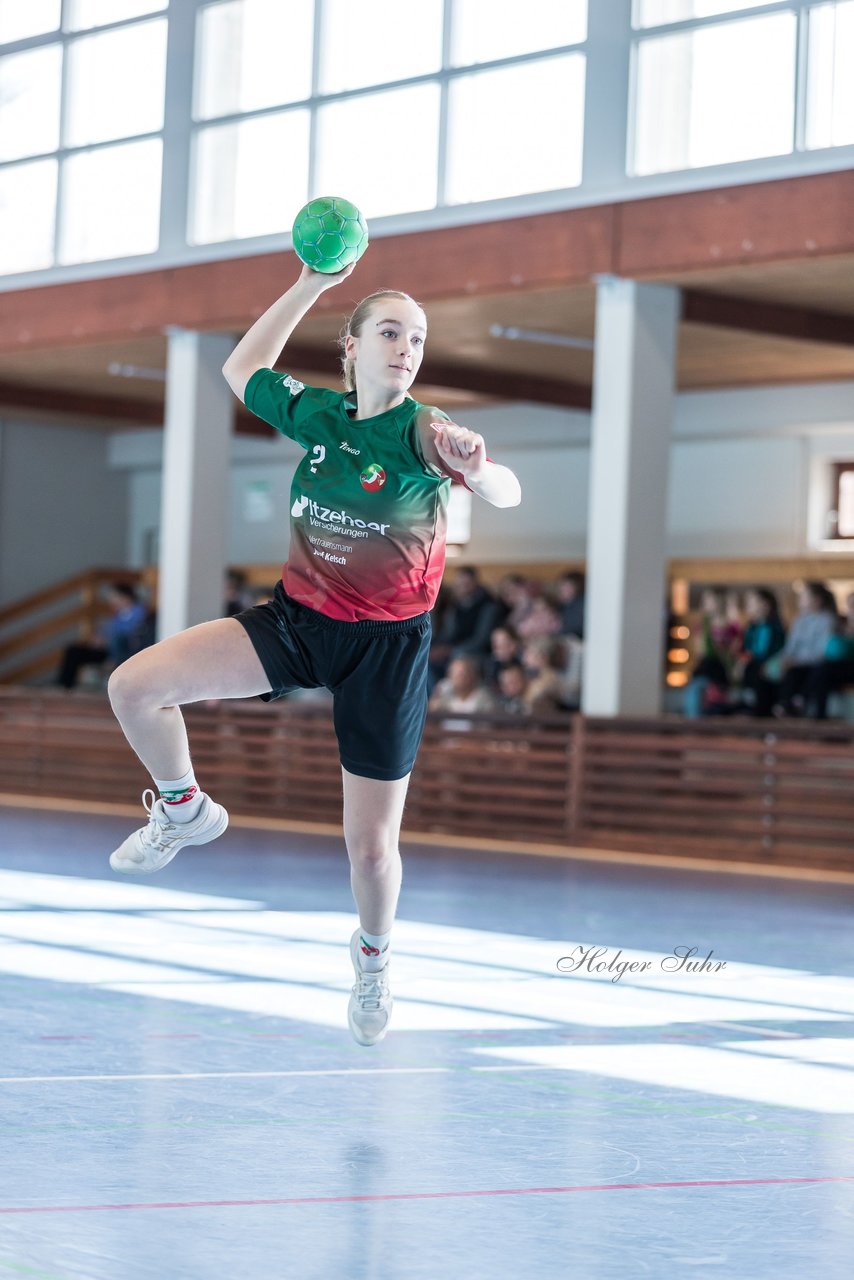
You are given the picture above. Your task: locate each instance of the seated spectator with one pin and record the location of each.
(512, 688)
(238, 595)
(462, 689)
(573, 670)
(764, 638)
(570, 597)
(837, 670)
(516, 594)
(124, 634)
(806, 649)
(467, 625)
(707, 692)
(545, 659)
(542, 619)
(504, 649)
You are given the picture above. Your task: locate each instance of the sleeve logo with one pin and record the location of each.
(292, 385)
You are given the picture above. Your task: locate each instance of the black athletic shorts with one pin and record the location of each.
(376, 672)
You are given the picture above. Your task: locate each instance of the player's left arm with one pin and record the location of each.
(461, 453)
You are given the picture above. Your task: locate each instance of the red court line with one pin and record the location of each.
(426, 1195)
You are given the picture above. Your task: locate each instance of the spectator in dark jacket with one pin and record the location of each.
(468, 623)
(570, 595)
(764, 637)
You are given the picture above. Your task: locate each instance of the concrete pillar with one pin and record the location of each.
(633, 394)
(196, 458)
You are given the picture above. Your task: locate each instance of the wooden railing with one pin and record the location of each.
(35, 630)
(780, 794)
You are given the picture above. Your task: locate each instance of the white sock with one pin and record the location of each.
(181, 798)
(373, 950)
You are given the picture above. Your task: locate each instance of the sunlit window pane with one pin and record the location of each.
(478, 34)
(27, 212)
(30, 86)
(83, 14)
(116, 84)
(381, 151)
(378, 40)
(655, 13)
(253, 54)
(111, 202)
(20, 19)
(516, 130)
(715, 95)
(830, 79)
(250, 178)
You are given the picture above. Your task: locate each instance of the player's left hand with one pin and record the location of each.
(462, 449)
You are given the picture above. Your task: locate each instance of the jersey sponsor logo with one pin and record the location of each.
(326, 516)
(349, 449)
(291, 384)
(373, 477)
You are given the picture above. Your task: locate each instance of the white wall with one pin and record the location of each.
(62, 508)
(746, 476)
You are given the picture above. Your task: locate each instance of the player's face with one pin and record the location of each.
(389, 349)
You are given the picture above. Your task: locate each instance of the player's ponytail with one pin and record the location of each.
(353, 328)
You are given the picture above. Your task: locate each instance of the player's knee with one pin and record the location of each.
(129, 688)
(372, 851)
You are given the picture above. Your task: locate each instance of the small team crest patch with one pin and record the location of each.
(373, 477)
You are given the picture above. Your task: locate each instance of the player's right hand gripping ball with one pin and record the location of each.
(329, 233)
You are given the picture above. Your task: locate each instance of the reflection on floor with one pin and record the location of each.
(593, 1071)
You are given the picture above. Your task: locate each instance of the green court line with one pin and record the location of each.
(22, 1269)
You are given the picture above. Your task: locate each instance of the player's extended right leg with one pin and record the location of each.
(213, 660)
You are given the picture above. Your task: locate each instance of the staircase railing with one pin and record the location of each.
(35, 630)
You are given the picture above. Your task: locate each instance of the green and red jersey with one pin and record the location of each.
(368, 511)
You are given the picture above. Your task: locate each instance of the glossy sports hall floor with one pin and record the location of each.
(180, 1098)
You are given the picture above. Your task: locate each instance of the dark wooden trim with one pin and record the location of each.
(800, 323)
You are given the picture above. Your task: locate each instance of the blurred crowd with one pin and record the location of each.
(517, 649)
(749, 661)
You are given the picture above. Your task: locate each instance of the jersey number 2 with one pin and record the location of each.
(319, 452)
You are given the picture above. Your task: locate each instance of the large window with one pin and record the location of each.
(213, 121)
(830, 77)
(713, 86)
(716, 94)
(400, 109)
(68, 192)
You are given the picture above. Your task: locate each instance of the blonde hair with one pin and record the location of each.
(353, 328)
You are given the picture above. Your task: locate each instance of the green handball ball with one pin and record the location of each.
(329, 233)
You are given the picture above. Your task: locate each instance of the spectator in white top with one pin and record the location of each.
(806, 646)
(462, 689)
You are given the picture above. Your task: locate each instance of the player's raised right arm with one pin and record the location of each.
(262, 345)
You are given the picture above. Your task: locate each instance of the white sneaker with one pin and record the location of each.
(369, 1011)
(153, 846)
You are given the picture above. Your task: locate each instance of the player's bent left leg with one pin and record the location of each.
(372, 815)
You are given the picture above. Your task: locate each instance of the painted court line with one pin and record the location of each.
(426, 1195)
(254, 1075)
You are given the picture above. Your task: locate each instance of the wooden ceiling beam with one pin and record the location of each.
(773, 319)
(108, 410)
(507, 385)
(302, 360)
(226, 295)
(789, 218)
(80, 404)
